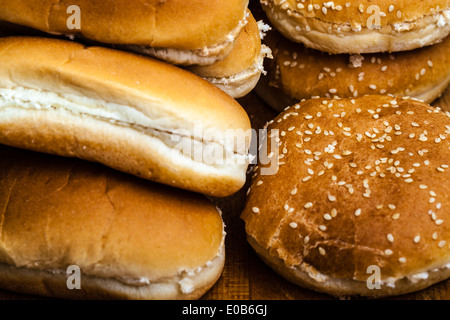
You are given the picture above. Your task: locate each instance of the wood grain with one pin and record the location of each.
(245, 276)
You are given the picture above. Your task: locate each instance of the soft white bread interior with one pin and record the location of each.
(131, 238)
(132, 113)
(360, 198)
(181, 32)
(343, 26)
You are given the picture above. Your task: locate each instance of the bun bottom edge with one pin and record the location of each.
(345, 287)
(278, 100)
(54, 284)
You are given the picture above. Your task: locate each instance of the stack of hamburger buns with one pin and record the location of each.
(361, 185)
(134, 219)
(350, 49)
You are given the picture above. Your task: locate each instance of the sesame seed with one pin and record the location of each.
(357, 212)
(416, 239)
(334, 213)
(390, 237)
(442, 243)
(327, 216)
(293, 225)
(402, 260)
(388, 252)
(322, 251)
(308, 205)
(255, 209)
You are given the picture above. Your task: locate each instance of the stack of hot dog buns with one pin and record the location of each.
(135, 118)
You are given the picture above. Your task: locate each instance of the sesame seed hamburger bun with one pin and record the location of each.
(362, 184)
(343, 26)
(181, 32)
(301, 73)
(239, 73)
(132, 113)
(130, 238)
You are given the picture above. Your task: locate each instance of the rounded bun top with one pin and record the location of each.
(360, 182)
(188, 25)
(358, 13)
(110, 224)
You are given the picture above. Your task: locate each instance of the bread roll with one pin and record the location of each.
(182, 32)
(239, 73)
(130, 238)
(132, 113)
(362, 184)
(301, 73)
(343, 26)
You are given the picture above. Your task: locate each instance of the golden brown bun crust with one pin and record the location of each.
(59, 212)
(343, 201)
(153, 104)
(303, 73)
(245, 53)
(239, 73)
(176, 24)
(348, 27)
(356, 12)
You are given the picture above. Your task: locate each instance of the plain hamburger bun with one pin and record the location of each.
(131, 238)
(362, 183)
(129, 112)
(239, 73)
(180, 32)
(343, 26)
(297, 73)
